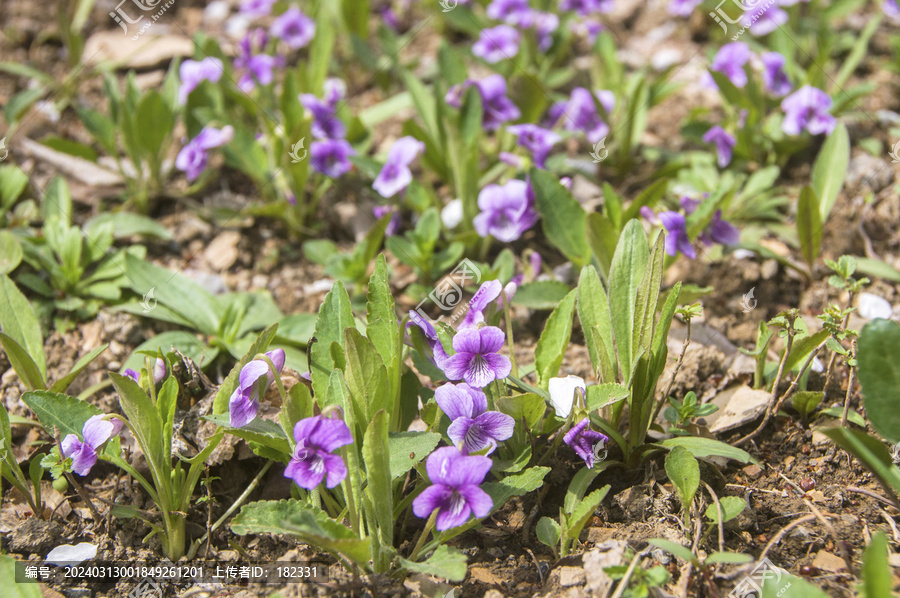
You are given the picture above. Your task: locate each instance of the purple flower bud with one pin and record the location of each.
(159, 370)
(132, 374)
(393, 224)
(724, 142)
(721, 232)
(455, 488)
(439, 356)
(483, 297)
(254, 379)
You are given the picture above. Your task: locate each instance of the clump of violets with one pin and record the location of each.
(677, 239)
(807, 108)
(193, 72)
(95, 432)
(477, 359)
(293, 28)
(507, 210)
(497, 43)
(537, 140)
(724, 142)
(254, 379)
(586, 443)
(314, 460)
(472, 427)
(730, 61)
(395, 175)
(775, 79)
(194, 155)
(455, 491)
(497, 108)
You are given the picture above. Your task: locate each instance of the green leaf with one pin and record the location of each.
(593, 313)
(728, 558)
(626, 273)
(127, 224)
(378, 474)
(155, 121)
(445, 562)
(541, 294)
(551, 346)
(11, 589)
(66, 413)
(187, 298)
(876, 572)
(515, 485)
(408, 448)
(879, 375)
(19, 323)
(548, 532)
(57, 202)
(382, 327)
(732, 506)
(707, 447)
(684, 472)
(601, 395)
(10, 252)
(873, 454)
(366, 377)
(63, 383)
(564, 220)
(584, 511)
(806, 401)
(784, 585)
(334, 316)
(676, 549)
(311, 525)
(22, 363)
(830, 169)
(146, 423)
(260, 431)
(527, 407)
(873, 267)
(809, 225)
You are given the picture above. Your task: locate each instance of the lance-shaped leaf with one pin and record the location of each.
(551, 346)
(626, 274)
(334, 316)
(809, 225)
(593, 313)
(879, 375)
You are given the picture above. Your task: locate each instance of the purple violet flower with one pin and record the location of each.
(393, 224)
(294, 28)
(395, 174)
(724, 142)
(507, 211)
(477, 359)
(159, 370)
(483, 297)
(455, 488)
(260, 69)
(497, 107)
(730, 61)
(581, 113)
(544, 24)
(254, 379)
(193, 72)
(256, 8)
(585, 441)
(325, 124)
(389, 17)
(331, 157)
(689, 204)
(439, 356)
(95, 433)
(511, 12)
(472, 426)
(535, 139)
(649, 215)
(497, 43)
(677, 237)
(774, 78)
(586, 7)
(193, 156)
(807, 108)
(765, 21)
(333, 91)
(720, 231)
(891, 10)
(683, 8)
(317, 437)
(132, 374)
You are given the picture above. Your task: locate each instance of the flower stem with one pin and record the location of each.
(421, 542)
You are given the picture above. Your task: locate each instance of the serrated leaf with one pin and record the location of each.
(378, 475)
(527, 407)
(593, 313)
(408, 448)
(366, 377)
(541, 294)
(548, 532)
(601, 395)
(63, 412)
(260, 431)
(626, 273)
(18, 322)
(564, 220)
(334, 316)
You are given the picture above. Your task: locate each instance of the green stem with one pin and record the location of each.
(348, 497)
(421, 542)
